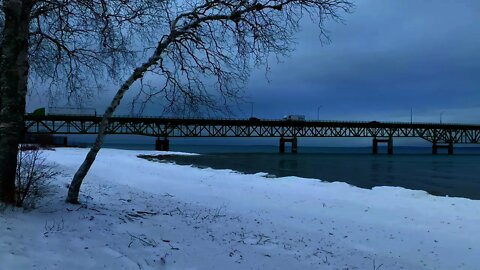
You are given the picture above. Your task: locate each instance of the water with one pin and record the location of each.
(412, 168)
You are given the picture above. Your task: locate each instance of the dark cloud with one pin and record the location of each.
(388, 57)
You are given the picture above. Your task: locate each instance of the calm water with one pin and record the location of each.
(413, 168)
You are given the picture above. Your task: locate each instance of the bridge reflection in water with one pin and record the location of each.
(440, 135)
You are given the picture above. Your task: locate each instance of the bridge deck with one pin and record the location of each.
(177, 127)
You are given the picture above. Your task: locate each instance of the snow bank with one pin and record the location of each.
(139, 214)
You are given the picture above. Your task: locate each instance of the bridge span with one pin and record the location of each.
(440, 135)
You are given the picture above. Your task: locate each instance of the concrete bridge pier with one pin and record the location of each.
(288, 140)
(389, 142)
(436, 146)
(162, 144)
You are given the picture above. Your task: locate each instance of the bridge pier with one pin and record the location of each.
(162, 145)
(436, 146)
(389, 142)
(291, 140)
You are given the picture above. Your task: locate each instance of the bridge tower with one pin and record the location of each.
(389, 142)
(289, 140)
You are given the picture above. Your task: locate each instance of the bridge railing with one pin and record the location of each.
(254, 121)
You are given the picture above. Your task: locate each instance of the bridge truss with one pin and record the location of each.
(169, 127)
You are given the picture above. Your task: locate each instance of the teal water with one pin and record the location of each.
(410, 167)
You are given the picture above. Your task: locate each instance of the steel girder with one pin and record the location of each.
(163, 127)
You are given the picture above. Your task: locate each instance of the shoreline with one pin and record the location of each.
(237, 221)
(438, 175)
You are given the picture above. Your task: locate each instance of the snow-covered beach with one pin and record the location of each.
(139, 214)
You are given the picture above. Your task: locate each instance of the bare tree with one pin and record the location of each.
(67, 44)
(218, 39)
(13, 89)
(188, 46)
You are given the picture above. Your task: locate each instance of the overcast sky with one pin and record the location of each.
(388, 58)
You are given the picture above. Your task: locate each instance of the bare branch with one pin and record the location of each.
(215, 44)
(76, 42)
(212, 45)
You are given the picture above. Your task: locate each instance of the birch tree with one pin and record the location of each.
(190, 47)
(219, 39)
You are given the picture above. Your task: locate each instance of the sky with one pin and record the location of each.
(388, 61)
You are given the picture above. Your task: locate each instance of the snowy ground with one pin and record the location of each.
(139, 214)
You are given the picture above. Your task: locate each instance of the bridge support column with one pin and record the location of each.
(390, 146)
(389, 142)
(162, 145)
(282, 145)
(448, 146)
(294, 145)
(294, 142)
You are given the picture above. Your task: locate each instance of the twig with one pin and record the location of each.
(151, 243)
(376, 268)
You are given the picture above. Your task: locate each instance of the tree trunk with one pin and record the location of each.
(77, 180)
(14, 69)
(74, 189)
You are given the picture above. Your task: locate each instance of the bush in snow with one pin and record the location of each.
(32, 176)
